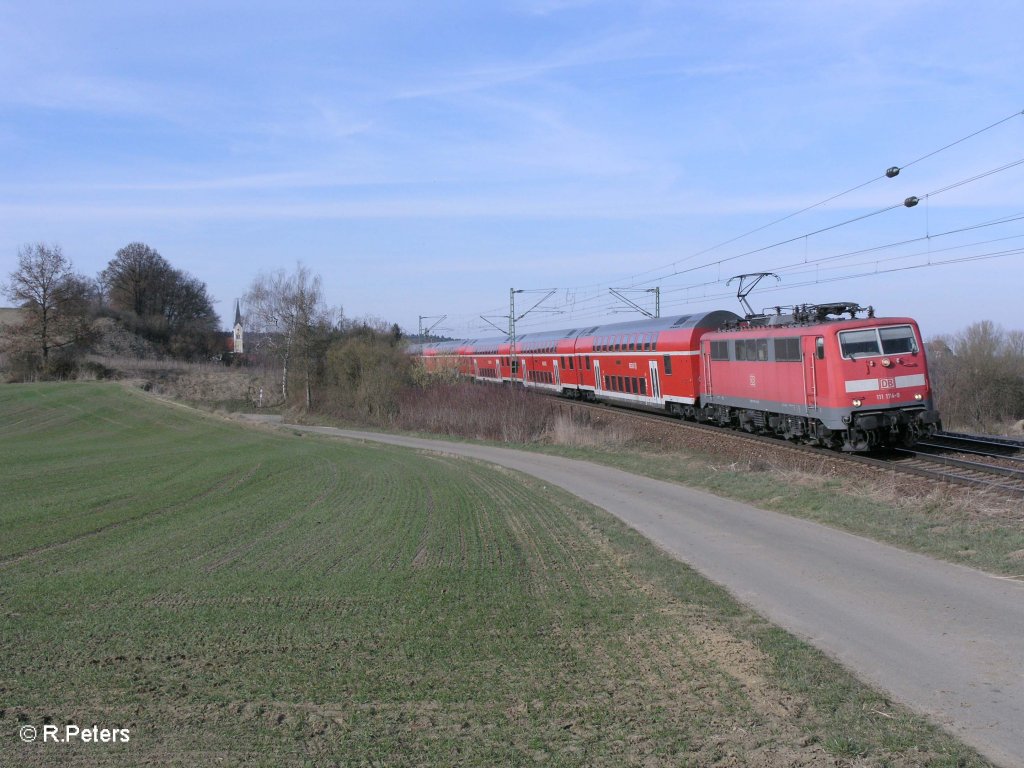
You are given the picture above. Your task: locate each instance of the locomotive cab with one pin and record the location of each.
(881, 372)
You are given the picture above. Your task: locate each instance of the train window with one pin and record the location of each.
(563, 361)
(654, 342)
(719, 350)
(646, 342)
(588, 362)
(819, 347)
(643, 386)
(864, 342)
(632, 343)
(668, 365)
(606, 384)
(898, 340)
(636, 386)
(787, 350)
(622, 387)
(762, 349)
(571, 367)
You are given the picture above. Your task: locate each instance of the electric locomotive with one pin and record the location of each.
(812, 375)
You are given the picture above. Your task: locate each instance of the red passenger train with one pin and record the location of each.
(853, 384)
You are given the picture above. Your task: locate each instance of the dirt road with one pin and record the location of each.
(946, 640)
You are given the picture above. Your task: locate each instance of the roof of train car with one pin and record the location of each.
(451, 346)
(714, 319)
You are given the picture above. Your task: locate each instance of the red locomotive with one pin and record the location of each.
(853, 384)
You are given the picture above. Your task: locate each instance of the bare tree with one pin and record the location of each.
(979, 376)
(54, 299)
(287, 318)
(136, 279)
(166, 305)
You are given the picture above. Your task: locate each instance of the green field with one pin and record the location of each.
(235, 596)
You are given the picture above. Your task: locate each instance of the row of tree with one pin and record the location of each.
(139, 288)
(978, 377)
(326, 360)
(323, 359)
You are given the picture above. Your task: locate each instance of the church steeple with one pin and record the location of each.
(238, 346)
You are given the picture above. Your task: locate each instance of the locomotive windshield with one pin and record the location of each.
(895, 340)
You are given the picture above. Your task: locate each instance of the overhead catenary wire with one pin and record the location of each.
(585, 307)
(825, 201)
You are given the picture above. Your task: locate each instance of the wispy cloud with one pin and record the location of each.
(620, 46)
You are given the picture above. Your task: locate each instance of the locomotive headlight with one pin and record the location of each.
(886, 362)
(919, 396)
(857, 403)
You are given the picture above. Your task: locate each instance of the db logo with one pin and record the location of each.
(753, 380)
(887, 383)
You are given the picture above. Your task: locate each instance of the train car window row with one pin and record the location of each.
(782, 350)
(636, 385)
(636, 342)
(540, 377)
(752, 349)
(536, 349)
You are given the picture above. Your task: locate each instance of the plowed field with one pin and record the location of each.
(237, 597)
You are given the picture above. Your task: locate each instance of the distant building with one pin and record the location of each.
(232, 342)
(238, 342)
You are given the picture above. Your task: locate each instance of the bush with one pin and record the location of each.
(978, 377)
(365, 371)
(483, 411)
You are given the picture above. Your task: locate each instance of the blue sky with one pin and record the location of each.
(425, 157)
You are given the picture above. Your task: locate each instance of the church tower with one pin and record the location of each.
(238, 346)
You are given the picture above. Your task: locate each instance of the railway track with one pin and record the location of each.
(996, 465)
(1002, 479)
(977, 444)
